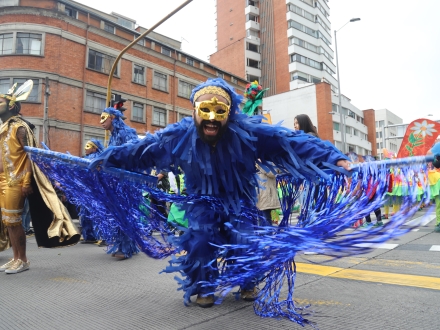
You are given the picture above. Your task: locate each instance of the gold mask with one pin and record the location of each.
(213, 109)
(90, 145)
(104, 116)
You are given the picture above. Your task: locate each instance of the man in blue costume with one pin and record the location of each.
(121, 245)
(217, 150)
(92, 149)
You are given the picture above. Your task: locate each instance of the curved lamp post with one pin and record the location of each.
(341, 117)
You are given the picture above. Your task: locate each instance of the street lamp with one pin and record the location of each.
(342, 121)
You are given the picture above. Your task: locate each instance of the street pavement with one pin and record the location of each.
(395, 286)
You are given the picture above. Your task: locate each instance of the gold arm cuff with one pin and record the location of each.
(27, 179)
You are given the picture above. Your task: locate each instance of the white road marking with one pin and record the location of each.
(435, 248)
(378, 245)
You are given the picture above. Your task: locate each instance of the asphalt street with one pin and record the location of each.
(395, 286)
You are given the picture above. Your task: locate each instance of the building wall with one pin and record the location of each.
(230, 23)
(385, 117)
(281, 44)
(370, 122)
(66, 43)
(232, 57)
(286, 106)
(324, 109)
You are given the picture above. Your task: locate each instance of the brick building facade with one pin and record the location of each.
(68, 50)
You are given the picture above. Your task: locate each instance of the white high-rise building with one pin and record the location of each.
(390, 137)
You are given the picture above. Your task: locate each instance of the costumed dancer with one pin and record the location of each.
(20, 179)
(120, 245)
(92, 149)
(434, 183)
(217, 150)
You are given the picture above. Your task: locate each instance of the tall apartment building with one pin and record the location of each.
(388, 133)
(282, 44)
(68, 49)
(286, 46)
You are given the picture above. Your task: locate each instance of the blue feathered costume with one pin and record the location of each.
(88, 231)
(224, 246)
(226, 171)
(121, 134)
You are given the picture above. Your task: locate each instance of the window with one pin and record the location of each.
(351, 148)
(253, 64)
(34, 95)
(304, 44)
(71, 12)
(220, 75)
(140, 42)
(166, 51)
(137, 112)
(139, 74)
(252, 78)
(6, 43)
(335, 108)
(305, 29)
(336, 126)
(159, 116)
(5, 84)
(298, 75)
(351, 114)
(7, 3)
(125, 22)
(355, 132)
(189, 61)
(251, 17)
(185, 89)
(234, 80)
(252, 33)
(100, 62)
(301, 12)
(252, 47)
(306, 61)
(28, 43)
(160, 81)
(109, 28)
(95, 102)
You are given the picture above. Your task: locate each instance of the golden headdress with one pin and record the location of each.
(212, 90)
(20, 95)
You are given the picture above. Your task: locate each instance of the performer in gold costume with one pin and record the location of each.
(19, 178)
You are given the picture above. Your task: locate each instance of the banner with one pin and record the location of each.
(419, 137)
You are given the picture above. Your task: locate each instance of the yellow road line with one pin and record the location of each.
(426, 282)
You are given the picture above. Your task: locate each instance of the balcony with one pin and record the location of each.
(252, 10)
(255, 40)
(253, 71)
(252, 25)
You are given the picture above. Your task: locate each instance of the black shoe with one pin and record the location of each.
(102, 243)
(205, 301)
(88, 242)
(29, 232)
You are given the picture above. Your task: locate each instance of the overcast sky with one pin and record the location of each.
(390, 59)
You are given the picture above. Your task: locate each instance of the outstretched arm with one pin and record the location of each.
(296, 152)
